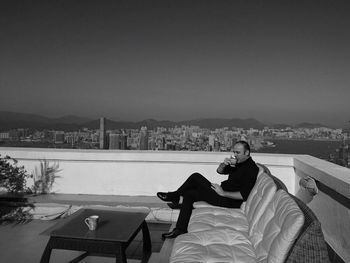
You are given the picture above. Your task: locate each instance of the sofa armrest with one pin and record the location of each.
(310, 246)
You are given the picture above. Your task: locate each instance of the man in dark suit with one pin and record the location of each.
(242, 173)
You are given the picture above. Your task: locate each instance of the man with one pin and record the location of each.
(242, 172)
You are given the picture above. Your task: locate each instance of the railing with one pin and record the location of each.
(115, 172)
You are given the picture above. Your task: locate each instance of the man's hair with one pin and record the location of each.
(245, 145)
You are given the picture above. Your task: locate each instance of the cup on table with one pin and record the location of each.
(92, 222)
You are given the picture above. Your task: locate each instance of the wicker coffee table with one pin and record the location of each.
(115, 231)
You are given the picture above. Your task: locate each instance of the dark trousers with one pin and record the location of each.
(198, 188)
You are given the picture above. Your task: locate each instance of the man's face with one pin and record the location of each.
(240, 154)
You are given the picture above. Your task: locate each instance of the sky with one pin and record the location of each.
(285, 61)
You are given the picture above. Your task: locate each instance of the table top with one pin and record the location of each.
(112, 226)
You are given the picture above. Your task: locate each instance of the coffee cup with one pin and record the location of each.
(233, 160)
(91, 222)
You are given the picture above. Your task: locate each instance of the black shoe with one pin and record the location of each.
(173, 234)
(169, 197)
(174, 206)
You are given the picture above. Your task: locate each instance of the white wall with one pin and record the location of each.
(135, 172)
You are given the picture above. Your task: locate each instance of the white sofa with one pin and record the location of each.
(272, 226)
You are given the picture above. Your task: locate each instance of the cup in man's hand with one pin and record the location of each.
(233, 160)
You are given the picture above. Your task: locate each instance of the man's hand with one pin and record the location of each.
(227, 161)
(218, 189)
(230, 161)
(234, 195)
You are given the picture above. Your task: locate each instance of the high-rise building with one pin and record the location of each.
(123, 141)
(14, 135)
(114, 141)
(152, 144)
(59, 137)
(103, 143)
(217, 145)
(4, 136)
(118, 141)
(211, 142)
(143, 138)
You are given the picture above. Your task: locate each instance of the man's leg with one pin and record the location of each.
(194, 181)
(189, 197)
(185, 213)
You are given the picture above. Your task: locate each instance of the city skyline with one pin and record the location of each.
(321, 142)
(275, 61)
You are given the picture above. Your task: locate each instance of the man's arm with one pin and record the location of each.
(234, 195)
(224, 167)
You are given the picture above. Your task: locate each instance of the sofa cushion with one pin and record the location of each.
(217, 245)
(259, 198)
(277, 229)
(207, 218)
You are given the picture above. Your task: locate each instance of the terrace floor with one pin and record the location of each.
(26, 242)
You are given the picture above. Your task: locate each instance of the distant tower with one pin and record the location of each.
(59, 137)
(102, 133)
(163, 143)
(217, 145)
(113, 141)
(143, 138)
(211, 142)
(123, 142)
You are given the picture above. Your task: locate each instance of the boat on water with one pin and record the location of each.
(268, 144)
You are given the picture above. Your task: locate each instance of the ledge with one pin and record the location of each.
(331, 175)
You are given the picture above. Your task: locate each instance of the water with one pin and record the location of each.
(319, 149)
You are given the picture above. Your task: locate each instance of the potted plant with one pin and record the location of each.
(13, 180)
(44, 177)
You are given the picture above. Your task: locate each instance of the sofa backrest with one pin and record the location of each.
(277, 229)
(278, 182)
(310, 245)
(260, 172)
(259, 198)
(249, 199)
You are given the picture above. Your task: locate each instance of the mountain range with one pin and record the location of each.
(14, 120)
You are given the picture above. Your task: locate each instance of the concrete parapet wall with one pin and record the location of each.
(114, 172)
(331, 204)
